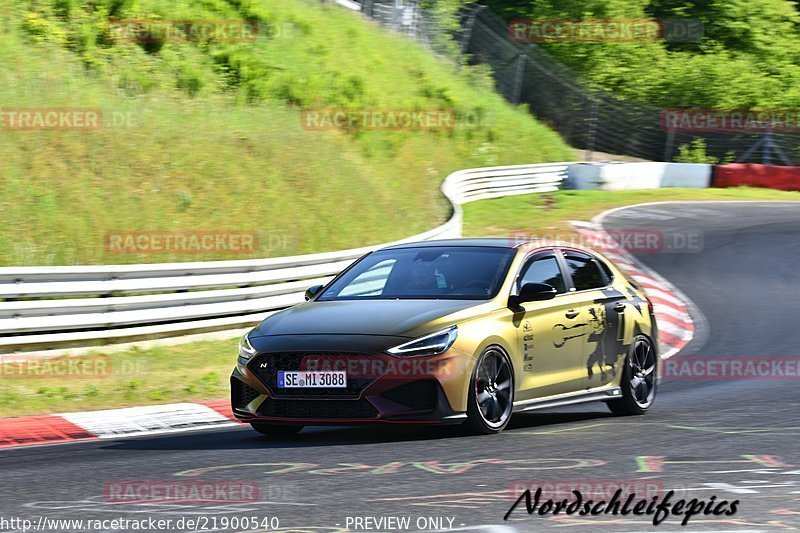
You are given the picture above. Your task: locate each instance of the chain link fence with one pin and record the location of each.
(591, 119)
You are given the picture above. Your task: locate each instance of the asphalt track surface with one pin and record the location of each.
(729, 439)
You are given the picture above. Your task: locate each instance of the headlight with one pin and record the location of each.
(246, 350)
(432, 344)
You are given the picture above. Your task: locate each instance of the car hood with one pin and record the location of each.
(359, 317)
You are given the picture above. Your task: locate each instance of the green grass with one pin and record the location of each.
(549, 215)
(215, 139)
(193, 371)
(199, 371)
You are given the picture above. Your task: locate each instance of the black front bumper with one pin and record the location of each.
(381, 400)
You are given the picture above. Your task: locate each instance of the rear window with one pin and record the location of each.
(606, 269)
(585, 271)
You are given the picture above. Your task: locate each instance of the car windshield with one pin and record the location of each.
(447, 272)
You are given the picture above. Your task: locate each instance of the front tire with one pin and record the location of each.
(638, 379)
(276, 430)
(491, 393)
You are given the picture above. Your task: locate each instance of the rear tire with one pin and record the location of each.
(276, 430)
(638, 380)
(491, 393)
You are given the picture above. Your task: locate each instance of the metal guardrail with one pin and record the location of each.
(130, 302)
(350, 4)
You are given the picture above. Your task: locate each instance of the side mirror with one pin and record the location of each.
(533, 292)
(313, 291)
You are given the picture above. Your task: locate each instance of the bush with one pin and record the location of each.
(694, 152)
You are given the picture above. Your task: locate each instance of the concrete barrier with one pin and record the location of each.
(769, 176)
(646, 175)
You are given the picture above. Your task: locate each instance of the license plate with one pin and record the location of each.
(312, 380)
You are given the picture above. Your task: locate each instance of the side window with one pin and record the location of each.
(544, 270)
(585, 271)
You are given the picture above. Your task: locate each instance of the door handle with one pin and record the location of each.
(619, 308)
(572, 313)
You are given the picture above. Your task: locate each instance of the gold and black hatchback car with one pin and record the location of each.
(465, 330)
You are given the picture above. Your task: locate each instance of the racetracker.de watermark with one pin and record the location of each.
(183, 491)
(558, 489)
(35, 119)
(181, 242)
(737, 120)
(733, 368)
(331, 119)
(183, 31)
(552, 30)
(27, 367)
(75, 367)
(365, 367)
(50, 118)
(639, 241)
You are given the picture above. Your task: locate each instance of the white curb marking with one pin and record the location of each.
(147, 420)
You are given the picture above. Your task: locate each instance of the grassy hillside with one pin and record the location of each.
(206, 135)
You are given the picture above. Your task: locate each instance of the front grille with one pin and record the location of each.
(266, 367)
(420, 395)
(242, 394)
(318, 409)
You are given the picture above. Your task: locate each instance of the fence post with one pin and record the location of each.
(520, 75)
(411, 15)
(767, 145)
(397, 14)
(668, 144)
(592, 129)
(771, 146)
(766, 152)
(467, 37)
